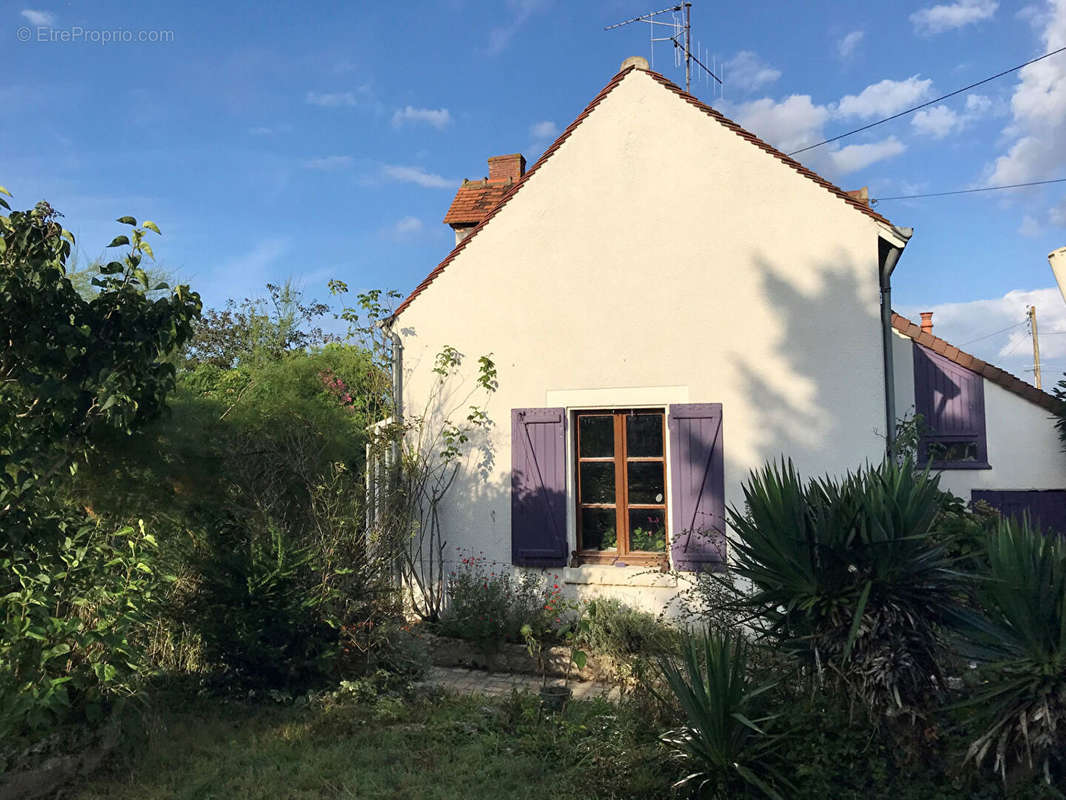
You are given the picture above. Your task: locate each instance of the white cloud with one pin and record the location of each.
(978, 104)
(937, 121)
(439, 118)
(39, 18)
(520, 10)
(329, 163)
(847, 45)
(793, 123)
(948, 16)
(747, 72)
(857, 156)
(544, 130)
(1029, 227)
(407, 226)
(884, 98)
(259, 259)
(962, 323)
(1037, 128)
(796, 122)
(331, 99)
(416, 175)
(1057, 215)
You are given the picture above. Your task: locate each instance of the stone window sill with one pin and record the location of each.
(611, 575)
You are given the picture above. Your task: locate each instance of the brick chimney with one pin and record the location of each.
(507, 168)
(862, 195)
(475, 199)
(927, 322)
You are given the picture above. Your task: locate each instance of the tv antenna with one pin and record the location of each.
(678, 29)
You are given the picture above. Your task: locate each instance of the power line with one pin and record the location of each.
(969, 191)
(990, 335)
(931, 102)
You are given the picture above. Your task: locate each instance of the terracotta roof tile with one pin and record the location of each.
(992, 373)
(580, 118)
(474, 200)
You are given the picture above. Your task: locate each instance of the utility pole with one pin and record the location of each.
(1036, 345)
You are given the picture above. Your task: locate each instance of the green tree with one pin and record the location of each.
(73, 367)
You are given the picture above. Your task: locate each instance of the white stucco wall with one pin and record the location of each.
(656, 258)
(1024, 450)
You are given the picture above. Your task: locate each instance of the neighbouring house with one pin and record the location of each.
(670, 303)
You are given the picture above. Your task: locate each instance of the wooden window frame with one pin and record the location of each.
(621, 505)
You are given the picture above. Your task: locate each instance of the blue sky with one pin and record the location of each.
(271, 140)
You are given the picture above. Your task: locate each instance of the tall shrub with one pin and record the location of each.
(848, 578)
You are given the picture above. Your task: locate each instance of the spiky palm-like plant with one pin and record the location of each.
(723, 740)
(1020, 637)
(847, 578)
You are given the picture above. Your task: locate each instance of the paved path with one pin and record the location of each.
(494, 684)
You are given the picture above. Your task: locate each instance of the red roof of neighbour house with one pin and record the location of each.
(480, 193)
(474, 200)
(995, 374)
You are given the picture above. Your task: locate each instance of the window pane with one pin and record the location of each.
(647, 530)
(644, 434)
(597, 437)
(597, 481)
(646, 482)
(953, 451)
(597, 529)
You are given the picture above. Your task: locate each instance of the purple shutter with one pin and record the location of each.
(538, 487)
(697, 477)
(1046, 508)
(951, 400)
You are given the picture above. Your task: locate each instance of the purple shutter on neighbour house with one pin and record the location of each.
(697, 476)
(538, 487)
(951, 400)
(1046, 507)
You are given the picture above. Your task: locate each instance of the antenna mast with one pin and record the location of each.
(679, 31)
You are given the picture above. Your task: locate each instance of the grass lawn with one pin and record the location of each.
(437, 747)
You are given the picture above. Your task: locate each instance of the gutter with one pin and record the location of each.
(888, 253)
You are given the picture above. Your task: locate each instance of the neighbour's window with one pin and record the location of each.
(951, 402)
(621, 485)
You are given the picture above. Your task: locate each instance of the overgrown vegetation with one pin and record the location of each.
(74, 589)
(182, 507)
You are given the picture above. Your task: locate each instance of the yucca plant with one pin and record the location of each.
(724, 740)
(1020, 638)
(847, 578)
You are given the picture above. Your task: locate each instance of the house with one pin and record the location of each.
(671, 303)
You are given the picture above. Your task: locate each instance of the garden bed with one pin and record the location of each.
(446, 651)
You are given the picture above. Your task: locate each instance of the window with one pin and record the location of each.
(621, 486)
(951, 402)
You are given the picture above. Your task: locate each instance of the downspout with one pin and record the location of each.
(887, 257)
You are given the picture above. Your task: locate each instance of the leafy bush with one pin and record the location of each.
(724, 744)
(73, 368)
(621, 631)
(1020, 636)
(490, 604)
(71, 605)
(848, 578)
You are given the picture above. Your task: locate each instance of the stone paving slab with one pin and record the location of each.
(496, 684)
